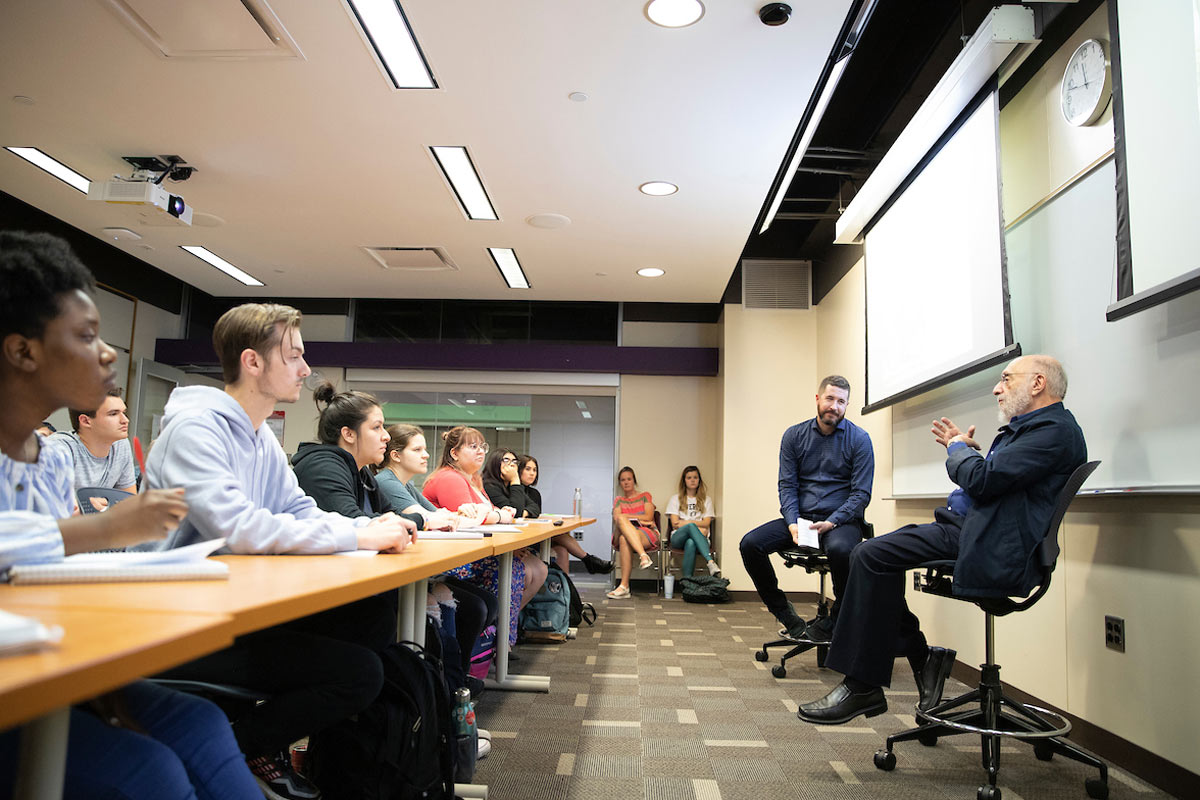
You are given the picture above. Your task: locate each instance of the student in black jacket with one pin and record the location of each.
(508, 480)
(336, 472)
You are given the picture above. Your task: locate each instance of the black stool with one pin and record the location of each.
(987, 710)
(812, 561)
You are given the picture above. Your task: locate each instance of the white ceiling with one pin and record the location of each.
(306, 160)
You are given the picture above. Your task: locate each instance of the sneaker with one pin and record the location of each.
(618, 593)
(797, 632)
(713, 569)
(484, 747)
(820, 630)
(646, 562)
(279, 781)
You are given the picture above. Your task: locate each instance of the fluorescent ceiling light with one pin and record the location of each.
(472, 400)
(651, 272)
(459, 170)
(1007, 31)
(510, 268)
(388, 31)
(586, 414)
(831, 83)
(582, 406)
(55, 168)
(674, 13)
(204, 254)
(658, 188)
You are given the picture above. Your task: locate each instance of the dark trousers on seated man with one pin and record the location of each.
(773, 537)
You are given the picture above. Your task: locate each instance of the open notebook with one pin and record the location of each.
(181, 564)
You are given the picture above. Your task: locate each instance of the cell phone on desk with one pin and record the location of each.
(557, 523)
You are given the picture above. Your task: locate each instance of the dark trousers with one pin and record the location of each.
(875, 625)
(477, 608)
(758, 545)
(317, 670)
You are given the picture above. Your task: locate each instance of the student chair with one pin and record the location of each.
(989, 711)
(812, 561)
(655, 568)
(85, 494)
(667, 553)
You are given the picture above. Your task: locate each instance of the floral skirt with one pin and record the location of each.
(485, 573)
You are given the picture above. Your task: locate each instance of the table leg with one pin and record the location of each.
(42, 757)
(420, 593)
(513, 683)
(405, 630)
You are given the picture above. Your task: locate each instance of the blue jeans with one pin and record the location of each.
(188, 754)
(691, 540)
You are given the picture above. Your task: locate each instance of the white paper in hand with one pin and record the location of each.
(807, 536)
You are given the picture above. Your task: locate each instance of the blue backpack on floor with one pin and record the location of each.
(547, 616)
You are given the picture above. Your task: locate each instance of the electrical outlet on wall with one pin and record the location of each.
(1114, 633)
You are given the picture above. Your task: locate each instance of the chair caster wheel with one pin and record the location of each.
(1096, 789)
(760, 655)
(779, 671)
(929, 740)
(988, 793)
(885, 760)
(1043, 751)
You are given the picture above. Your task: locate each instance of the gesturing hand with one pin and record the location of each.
(947, 433)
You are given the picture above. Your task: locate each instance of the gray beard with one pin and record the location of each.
(1016, 403)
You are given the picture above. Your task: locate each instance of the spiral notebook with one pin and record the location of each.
(182, 564)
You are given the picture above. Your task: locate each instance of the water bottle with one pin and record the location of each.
(464, 712)
(577, 504)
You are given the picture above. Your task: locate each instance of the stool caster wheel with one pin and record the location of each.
(1096, 789)
(927, 739)
(779, 671)
(988, 793)
(885, 760)
(760, 655)
(1043, 751)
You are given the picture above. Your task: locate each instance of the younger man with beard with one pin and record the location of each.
(992, 526)
(826, 467)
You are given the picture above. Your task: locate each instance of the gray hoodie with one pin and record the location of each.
(238, 481)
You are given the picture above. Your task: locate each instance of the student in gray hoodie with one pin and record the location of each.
(215, 444)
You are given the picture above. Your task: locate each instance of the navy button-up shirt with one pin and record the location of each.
(825, 477)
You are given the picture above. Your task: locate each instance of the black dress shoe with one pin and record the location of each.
(932, 677)
(594, 564)
(842, 705)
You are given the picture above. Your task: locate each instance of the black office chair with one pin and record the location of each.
(989, 711)
(812, 561)
(85, 494)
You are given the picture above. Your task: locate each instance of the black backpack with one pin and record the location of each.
(401, 747)
(580, 611)
(705, 589)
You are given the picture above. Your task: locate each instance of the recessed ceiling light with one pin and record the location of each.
(55, 168)
(387, 29)
(206, 255)
(651, 272)
(577, 97)
(674, 13)
(586, 414)
(582, 406)
(658, 188)
(468, 189)
(510, 267)
(548, 221)
(472, 400)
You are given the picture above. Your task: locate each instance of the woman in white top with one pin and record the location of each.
(691, 514)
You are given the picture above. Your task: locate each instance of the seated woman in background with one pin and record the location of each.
(405, 457)
(508, 479)
(691, 514)
(140, 741)
(456, 485)
(633, 513)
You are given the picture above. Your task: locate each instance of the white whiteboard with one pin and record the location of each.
(1134, 383)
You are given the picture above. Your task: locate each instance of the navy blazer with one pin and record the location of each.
(1013, 493)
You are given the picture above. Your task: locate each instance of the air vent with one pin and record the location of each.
(214, 29)
(775, 283)
(412, 259)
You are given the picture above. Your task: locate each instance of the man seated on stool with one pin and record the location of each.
(991, 525)
(826, 467)
(99, 447)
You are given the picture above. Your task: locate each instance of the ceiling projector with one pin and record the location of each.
(142, 193)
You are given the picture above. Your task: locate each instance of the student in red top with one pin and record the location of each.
(633, 513)
(456, 485)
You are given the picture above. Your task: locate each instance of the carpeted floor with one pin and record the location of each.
(664, 700)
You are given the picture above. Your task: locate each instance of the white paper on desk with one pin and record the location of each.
(485, 529)
(356, 553)
(21, 634)
(461, 533)
(808, 537)
(192, 552)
